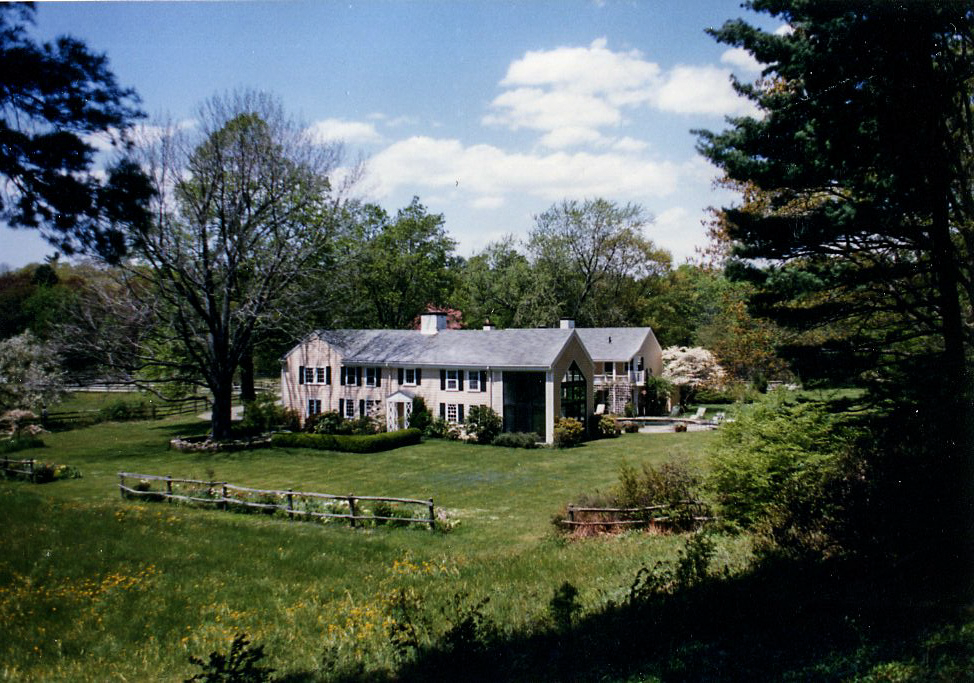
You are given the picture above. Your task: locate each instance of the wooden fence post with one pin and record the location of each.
(169, 488)
(351, 510)
(30, 466)
(571, 514)
(432, 516)
(121, 485)
(223, 496)
(290, 503)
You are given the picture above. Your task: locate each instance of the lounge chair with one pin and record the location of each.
(701, 411)
(600, 409)
(675, 411)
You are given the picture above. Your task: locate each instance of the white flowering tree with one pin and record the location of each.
(30, 373)
(691, 368)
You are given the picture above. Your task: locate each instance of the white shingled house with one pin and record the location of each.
(624, 357)
(529, 376)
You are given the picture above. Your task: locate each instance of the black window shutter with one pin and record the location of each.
(402, 374)
(341, 408)
(300, 374)
(442, 381)
(358, 376)
(344, 375)
(361, 407)
(419, 376)
(328, 375)
(442, 411)
(483, 380)
(460, 413)
(460, 374)
(378, 377)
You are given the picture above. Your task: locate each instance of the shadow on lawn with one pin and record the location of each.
(818, 622)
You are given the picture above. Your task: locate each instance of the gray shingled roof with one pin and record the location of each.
(613, 343)
(521, 348)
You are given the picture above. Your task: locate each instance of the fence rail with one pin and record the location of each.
(220, 494)
(147, 411)
(10, 466)
(687, 507)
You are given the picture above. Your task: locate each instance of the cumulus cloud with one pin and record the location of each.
(701, 90)
(487, 173)
(576, 96)
(741, 59)
(352, 132)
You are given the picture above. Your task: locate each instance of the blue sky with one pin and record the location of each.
(489, 112)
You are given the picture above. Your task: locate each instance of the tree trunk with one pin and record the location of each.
(222, 410)
(247, 390)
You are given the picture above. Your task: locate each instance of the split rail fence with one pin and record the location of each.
(684, 511)
(296, 504)
(20, 467)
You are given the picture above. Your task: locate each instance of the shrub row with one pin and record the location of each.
(344, 443)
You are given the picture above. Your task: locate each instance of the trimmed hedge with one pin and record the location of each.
(344, 443)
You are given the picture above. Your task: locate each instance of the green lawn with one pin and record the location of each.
(93, 587)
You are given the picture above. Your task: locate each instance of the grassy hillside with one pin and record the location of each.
(93, 587)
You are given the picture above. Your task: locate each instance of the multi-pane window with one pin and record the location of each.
(452, 380)
(320, 375)
(314, 406)
(473, 380)
(371, 407)
(451, 412)
(409, 376)
(349, 409)
(573, 394)
(370, 376)
(309, 375)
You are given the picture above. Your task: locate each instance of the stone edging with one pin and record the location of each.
(203, 444)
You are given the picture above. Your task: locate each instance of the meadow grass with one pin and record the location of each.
(94, 587)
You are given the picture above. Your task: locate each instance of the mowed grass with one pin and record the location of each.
(93, 587)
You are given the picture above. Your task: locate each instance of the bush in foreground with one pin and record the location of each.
(344, 443)
(779, 468)
(568, 432)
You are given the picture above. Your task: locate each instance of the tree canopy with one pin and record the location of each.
(55, 99)
(858, 222)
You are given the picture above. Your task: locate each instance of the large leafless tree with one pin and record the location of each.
(244, 207)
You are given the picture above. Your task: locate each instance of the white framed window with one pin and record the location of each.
(371, 407)
(473, 380)
(349, 409)
(309, 375)
(370, 376)
(409, 376)
(453, 381)
(314, 406)
(451, 413)
(320, 375)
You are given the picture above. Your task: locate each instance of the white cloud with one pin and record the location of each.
(739, 58)
(680, 231)
(572, 136)
(701, 90)
(488, 173)
(784, 30)
(352, 132)
(488, 202)
(573, 94)
(628, 144)
(549, 110)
